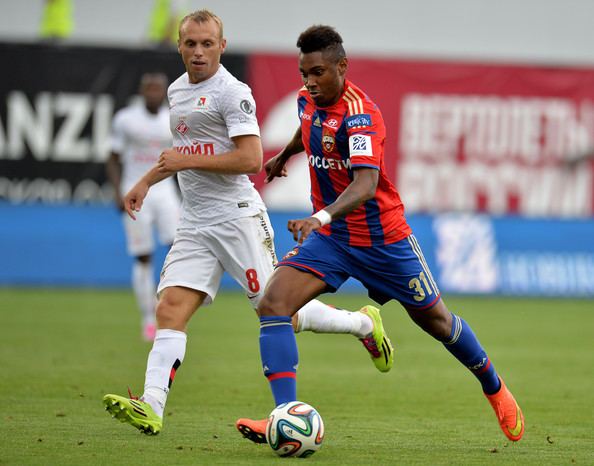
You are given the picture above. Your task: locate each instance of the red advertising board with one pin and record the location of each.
(462, 136)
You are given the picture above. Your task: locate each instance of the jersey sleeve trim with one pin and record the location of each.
(244, 130)
(354, 101)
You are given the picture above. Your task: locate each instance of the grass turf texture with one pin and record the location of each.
(62, 350)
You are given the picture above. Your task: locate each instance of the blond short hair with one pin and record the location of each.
(202, 16)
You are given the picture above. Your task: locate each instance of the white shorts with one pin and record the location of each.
(160, 209)
(244, 248)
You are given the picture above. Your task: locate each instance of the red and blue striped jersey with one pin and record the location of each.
(338, 139)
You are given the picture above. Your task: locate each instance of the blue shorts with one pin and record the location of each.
(394, 271)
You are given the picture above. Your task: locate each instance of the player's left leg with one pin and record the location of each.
(459, 339)
(409, 280)
(429, 312)
(365, 324)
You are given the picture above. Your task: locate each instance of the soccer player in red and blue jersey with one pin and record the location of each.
(358, 229)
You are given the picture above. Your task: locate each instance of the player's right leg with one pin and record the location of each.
(189, 268)
(287, 291)
(176, 306)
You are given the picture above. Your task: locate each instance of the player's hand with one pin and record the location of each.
(171, 161)
(275, 167)
(303, 227)
(135, 197)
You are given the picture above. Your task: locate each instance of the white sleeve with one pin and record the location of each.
(239, 111)
(118, 135)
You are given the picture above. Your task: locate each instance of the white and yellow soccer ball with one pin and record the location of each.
(295, 429)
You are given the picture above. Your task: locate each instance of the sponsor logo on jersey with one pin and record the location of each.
(317, 122)
(332, 123)
(196, 148)
(246, 107)
(305, 116)
(359, 120)
(181, 127)
(328, 142)
(318, 161)
(360, 144)
(268, 238)
(201, 104)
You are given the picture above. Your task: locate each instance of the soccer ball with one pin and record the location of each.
(295, 429)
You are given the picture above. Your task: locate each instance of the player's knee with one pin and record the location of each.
(271, 306)
(168, 315)
(436, 321)
(438, 328)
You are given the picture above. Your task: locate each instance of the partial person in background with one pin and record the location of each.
(56, 22)
(140, 132)
(165, 18)
(224, 224)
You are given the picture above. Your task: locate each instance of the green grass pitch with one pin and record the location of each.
(62, 350)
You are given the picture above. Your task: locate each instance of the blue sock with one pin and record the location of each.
(278, 350)
(464, 345)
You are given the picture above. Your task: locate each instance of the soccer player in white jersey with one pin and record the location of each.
(224, 225)
(140, 132)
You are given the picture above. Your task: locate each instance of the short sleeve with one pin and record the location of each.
(118, 135)
(238, 109)
(367, 133)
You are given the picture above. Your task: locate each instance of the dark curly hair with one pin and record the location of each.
(320, 38)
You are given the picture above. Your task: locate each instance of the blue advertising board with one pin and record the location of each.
(70, 245)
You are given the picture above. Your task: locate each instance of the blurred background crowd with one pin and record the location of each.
(489, 109)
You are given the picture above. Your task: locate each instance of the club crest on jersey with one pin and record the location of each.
(181, 127)
(201, 104)
(328, 142)
(358, 121)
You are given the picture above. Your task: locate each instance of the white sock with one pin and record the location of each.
(143, 284)
(321, 318)
(168, 352)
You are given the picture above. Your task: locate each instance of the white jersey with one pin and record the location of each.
(139, 137)
(203, 119)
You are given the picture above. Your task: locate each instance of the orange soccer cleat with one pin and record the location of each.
(252, 430)
(509, 414)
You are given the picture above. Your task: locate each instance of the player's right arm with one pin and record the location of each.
(135, 197)
(276, 166)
